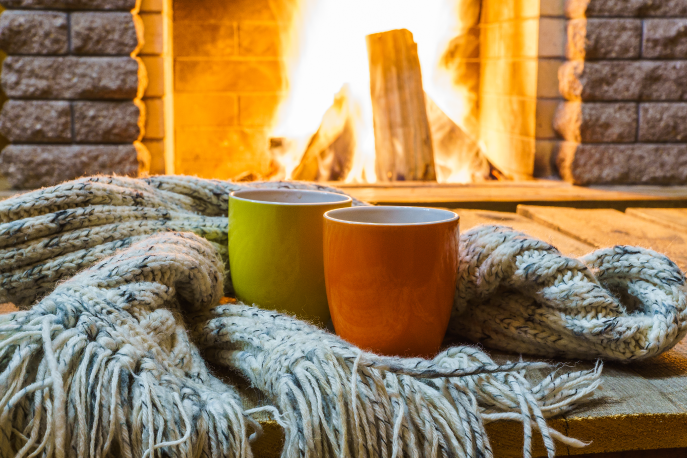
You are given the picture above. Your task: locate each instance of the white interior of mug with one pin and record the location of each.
(390, 216)
(289, 196)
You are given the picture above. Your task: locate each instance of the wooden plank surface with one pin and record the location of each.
(506, 196)
(606, 227)
(567, 245)
(642, 406)
(674, 218)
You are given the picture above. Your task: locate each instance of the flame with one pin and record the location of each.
(325, 49)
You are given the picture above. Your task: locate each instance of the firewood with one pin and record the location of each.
(456, 154)
(403, 142)
(329, 154)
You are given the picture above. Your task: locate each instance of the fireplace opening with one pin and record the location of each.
(355, 92)
(371, 97)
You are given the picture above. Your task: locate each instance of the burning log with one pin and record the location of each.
(458, 158)
(403, 143)
(329, 154)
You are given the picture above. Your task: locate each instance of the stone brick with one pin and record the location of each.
(155, 69)
(105, 34)
(73, 77)
(210, 110)
(596, 122)
(228, 75)
(623, 80)
(155, 119)
(108, 122)
(234, 10)
(604, 39)
(544, 151)
(547, 77)
(153, 42)
(235, 151)
(665, 39)
(33, 166)
(200, 39)
(258, 110)
(551, 40)
(156, 148)
(259, 39)
(546, 109)
(625, 8)
(151, 6)
(638, 163)
(34, 32)
(114, 5)
(663, 122)
(24, 121)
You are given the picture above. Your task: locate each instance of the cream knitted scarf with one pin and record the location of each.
(111, 361)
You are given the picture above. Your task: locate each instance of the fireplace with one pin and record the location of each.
(588, 91)
(489, 73)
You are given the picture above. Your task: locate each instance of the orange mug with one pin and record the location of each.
(390, 274)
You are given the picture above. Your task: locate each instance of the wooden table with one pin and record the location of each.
(507, 195)
(643, 406)
(642, 410)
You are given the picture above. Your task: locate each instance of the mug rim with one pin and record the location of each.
(331, 215)
(340, 198)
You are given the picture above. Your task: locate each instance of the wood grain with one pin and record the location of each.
(403, 143)
(567, 245)
(605, 227)
(674, 218)
(506, 196)
(642, 404)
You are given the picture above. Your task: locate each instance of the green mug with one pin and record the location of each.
(276, 249)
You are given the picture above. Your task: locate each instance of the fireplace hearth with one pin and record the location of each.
(591, 92)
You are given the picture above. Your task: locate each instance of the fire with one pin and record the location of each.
(326, 52)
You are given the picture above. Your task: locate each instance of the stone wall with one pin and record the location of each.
(625, 84)
(228, 82)
(152, 54)
(74, 90)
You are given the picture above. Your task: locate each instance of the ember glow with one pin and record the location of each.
(326, 51)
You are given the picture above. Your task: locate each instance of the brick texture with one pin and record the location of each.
(259, 39)
(43, 121)
(156, 148)
(623, 80)
(34, 32)
(153, 34)
(625, 8)
(199, 39)
(211, 10)
(665, 39)
(116, 5)
(108, 122)
(212, 110)
(604, 39)
(663, 122)
(639, 163)
(33, 166)
(234, 151)
(154, 119)
(596, 122)
(105, 34)
(258, 110)
(228, 75)
(72, 77)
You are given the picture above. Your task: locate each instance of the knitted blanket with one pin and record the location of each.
(112, 361)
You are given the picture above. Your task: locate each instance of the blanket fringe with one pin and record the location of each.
(339, 401)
